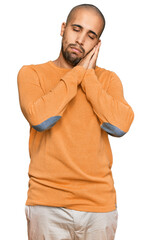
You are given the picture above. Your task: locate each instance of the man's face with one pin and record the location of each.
(80, 33)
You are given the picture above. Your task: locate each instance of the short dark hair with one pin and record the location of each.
(90, 6)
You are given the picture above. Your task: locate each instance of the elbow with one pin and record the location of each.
(38, 119)
(47, 124)
(112, 130)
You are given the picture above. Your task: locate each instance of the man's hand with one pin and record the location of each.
(89, 61)
(92, 63)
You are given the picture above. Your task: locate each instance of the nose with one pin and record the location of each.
(80, 39)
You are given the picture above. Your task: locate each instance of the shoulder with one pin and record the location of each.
(106, 76)
(106, 72)
(33, 67)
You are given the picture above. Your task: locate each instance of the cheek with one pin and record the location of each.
(65, 43)
(87, 50)
(69, 38)
(90, 46)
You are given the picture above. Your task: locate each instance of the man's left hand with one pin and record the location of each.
(92, 63)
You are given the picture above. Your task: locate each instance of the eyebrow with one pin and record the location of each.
(77, 25)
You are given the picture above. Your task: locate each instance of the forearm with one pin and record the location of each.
(43, 110)
(114, 113)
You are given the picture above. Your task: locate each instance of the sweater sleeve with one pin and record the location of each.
(41, 110)
(114, 113)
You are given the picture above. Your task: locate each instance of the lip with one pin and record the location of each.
(76, 49)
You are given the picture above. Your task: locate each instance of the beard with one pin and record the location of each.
(70, 58)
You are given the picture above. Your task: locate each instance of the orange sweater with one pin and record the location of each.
(71, 112)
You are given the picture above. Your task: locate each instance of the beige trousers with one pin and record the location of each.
(58, 223)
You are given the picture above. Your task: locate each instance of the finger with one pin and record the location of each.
(95, 55)
(98, 45)
(91, 53)
(97, 48)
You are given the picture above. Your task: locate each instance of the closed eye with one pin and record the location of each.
(77, 30)
(91, 37)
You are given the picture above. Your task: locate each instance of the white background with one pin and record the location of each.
(30, 34)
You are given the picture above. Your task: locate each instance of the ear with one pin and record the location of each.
(63, 26)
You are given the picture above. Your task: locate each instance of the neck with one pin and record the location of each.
(60, 62)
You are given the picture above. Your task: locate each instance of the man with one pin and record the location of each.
(72, 105)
